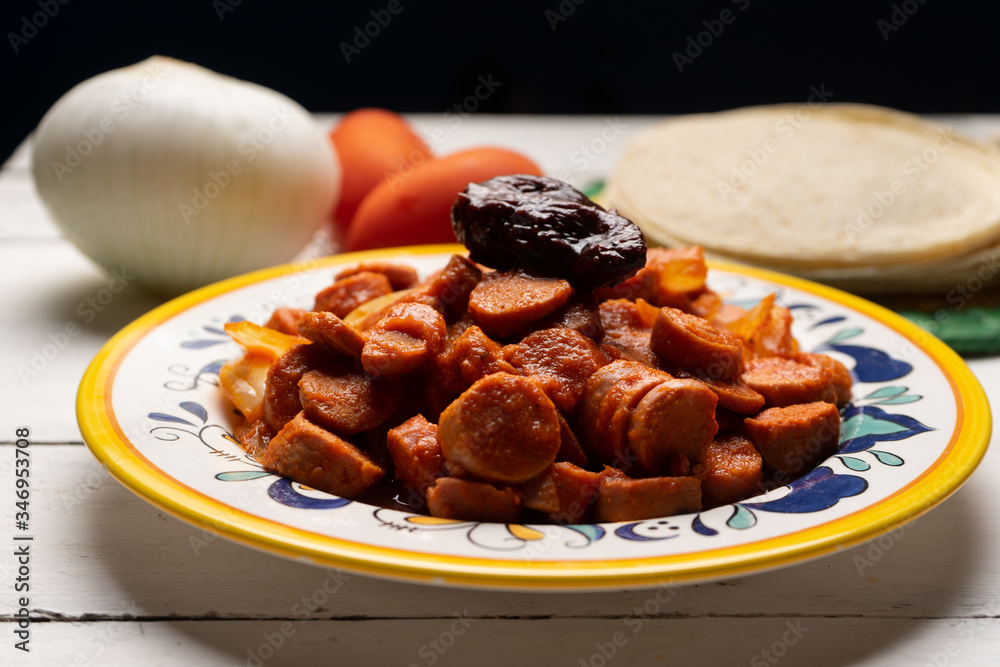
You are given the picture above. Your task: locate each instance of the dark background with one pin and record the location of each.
(603, 58)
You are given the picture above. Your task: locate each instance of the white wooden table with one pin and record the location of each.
(114, 581)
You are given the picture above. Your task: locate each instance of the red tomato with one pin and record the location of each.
(372, 144)
(415, 207)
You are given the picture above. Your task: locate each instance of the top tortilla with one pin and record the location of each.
(795, 187)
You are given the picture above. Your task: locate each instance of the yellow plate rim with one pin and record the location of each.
(110, 445)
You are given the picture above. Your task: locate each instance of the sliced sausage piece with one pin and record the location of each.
(501, 429)
(692, 344)
(787, 382)
(735, 396)
(285, 320)
(564, 491)
(560, 360)
(325, 327)
(346, 294)
(400, 276)
(347, 403)
(452, 286)
(733, 471)
(604, 412)
(672, 425)
(794, 439)
(580, 313)
(281, 393)
(474, 355)
(627, 332)
(404, 339)
(570, 449)
(842, 380)
(505, 302)
(313, 456)
(636, 499)
(253, 437)
(416, 453)
(468, 500)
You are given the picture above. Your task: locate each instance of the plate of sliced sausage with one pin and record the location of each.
(575, 439)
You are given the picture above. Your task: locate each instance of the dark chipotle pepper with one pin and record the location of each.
(545, 227)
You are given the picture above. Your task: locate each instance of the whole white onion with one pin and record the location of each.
(183, 176)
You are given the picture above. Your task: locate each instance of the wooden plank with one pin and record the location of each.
(99, 549)
(462, 638)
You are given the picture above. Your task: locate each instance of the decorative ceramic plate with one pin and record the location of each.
(150, 409)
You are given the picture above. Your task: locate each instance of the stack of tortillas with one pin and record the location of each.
(864, 198)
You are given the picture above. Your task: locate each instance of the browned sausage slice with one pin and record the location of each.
(400, 276)
(501, 429)
(468, 500)
(327, 328)
(627, 332)
(346, 294)
(735, 396)
(281, 393)
(787, 382)
(560, 360)
(564, 491)
(842, 380)
(416, 453)
(580, 313)
(505, 302)
(794, 439)
(635, 499)
(733, 471)
(672, 425)
(692, 344)
(452, 286)
(285, 320)
(570, 449)
(404, 339)
(347, 403)
(473, 356)
(312, 455)
(606, 403)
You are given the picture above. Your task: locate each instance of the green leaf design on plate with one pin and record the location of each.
(854, 464)
(742, 518)
(864, 424)
(887, 392)
(900, 400)
(241, 475)
(844, 335)
(886, 458)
